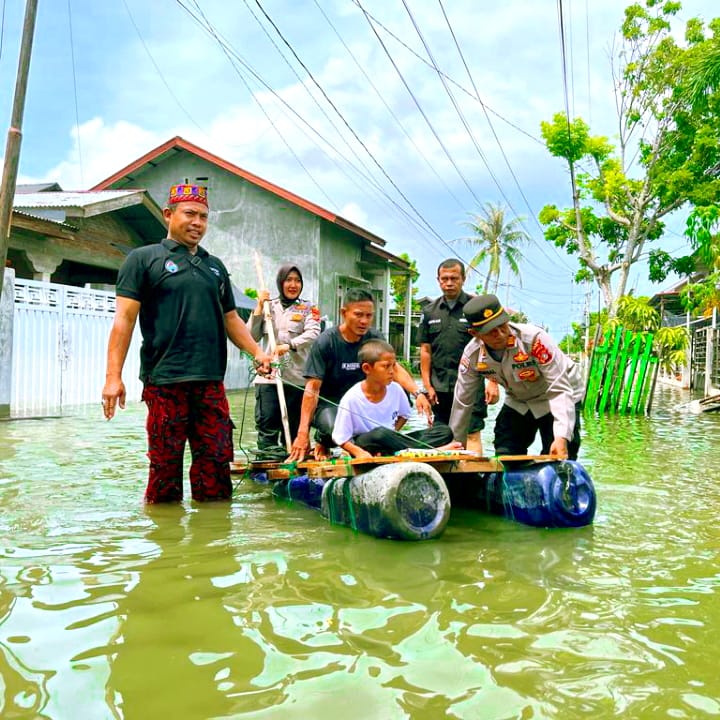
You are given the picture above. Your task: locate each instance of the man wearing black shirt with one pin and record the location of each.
(443, 334)
(184, 299)
(333, 367)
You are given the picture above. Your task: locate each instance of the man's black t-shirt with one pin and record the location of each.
(183, 299)
(334, 360)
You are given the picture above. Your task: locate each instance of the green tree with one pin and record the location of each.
(498, 240)
(398, 286)
(665, 147)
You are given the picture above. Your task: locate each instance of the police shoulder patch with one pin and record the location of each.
(541, 353)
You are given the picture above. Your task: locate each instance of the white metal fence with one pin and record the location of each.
(60, 336)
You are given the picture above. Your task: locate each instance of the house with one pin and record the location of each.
(249, 213)
(702, 368)
(78, 238)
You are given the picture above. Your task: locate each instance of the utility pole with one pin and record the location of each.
(12, 149)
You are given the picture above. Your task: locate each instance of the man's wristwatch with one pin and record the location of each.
(414, 395)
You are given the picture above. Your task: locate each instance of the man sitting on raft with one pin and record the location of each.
(372, 412)
(333, 368)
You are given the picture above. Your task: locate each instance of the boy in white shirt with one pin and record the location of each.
(372, 412)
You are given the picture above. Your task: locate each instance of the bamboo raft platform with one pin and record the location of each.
(446, 463)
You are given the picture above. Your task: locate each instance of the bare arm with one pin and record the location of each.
(126, 312)
(406, 382)
(307, 410)
(426, 371)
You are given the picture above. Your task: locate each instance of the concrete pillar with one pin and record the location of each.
(7, 313)
(44, 264)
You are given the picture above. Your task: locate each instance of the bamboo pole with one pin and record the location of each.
(271, 349)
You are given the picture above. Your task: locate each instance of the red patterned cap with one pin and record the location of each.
(188, 193)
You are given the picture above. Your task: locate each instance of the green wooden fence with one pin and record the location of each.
(622, 374)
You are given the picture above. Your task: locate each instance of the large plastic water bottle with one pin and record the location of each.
(555, 494)
(406, 500)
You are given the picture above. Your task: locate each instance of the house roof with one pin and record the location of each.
(80, 203)
(129, 174)
(37, 187)
(135, 207)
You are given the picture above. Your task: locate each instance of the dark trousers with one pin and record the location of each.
(441, 411)
(514, 432)
(268, 418)
(323, 421)
(196, 412)
(384, 441)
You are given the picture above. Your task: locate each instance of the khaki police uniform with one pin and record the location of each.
(298, 326)
(538, 378)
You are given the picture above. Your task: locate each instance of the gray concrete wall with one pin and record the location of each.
(7, 309)
(245, 218)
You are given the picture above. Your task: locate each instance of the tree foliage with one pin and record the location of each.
(497, 240)
(398, 286)
(668, 141)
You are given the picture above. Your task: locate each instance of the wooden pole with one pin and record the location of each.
(12, 149)
(271, 349)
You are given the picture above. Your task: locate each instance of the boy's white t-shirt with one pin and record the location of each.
(356, 414)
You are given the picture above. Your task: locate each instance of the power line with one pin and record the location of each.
(497, 140)
(75, 94)
(447, 77)
(343, 119)
(269, 119)
(370, 180)
(388, 108)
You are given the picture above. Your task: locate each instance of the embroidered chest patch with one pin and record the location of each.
(170, 266)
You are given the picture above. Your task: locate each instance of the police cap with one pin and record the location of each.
(484, 313)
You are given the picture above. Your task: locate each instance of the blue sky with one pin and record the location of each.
(111, 80)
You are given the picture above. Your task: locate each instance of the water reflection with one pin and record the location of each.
(260, 609)
(177, 651)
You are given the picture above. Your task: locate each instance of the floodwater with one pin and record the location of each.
(261, 609)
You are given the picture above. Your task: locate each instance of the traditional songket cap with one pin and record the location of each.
(188, 193)
(484, 313)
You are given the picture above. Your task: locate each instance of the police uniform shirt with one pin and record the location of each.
(334, 360)
(445, 330)
(535, 373)
(183, 299)
(297, 325)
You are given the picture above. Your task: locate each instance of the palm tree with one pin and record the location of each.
(497, 240)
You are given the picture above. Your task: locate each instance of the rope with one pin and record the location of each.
(348, 500)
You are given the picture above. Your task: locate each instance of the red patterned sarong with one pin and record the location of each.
(199, 413)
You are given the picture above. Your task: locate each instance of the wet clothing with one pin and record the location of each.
(445, 329)
(334, 360)
(371, 425)
(296, 323)
(199, 413)
(543, 387)
(183, 300)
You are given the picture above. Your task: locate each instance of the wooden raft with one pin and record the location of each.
(446, 463)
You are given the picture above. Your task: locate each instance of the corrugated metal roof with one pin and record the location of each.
(25, 213)
(77, 199)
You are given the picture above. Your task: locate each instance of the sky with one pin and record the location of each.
(340, 102)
